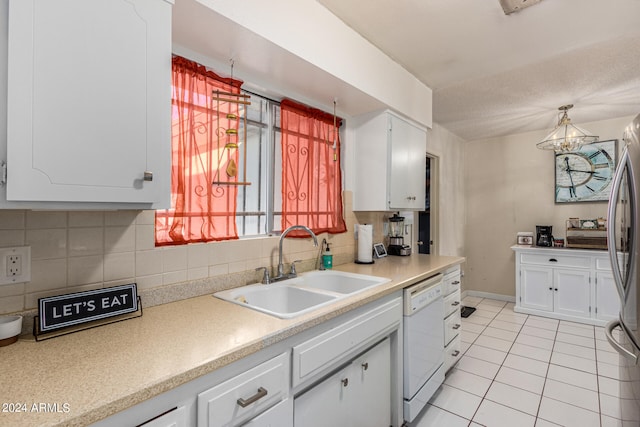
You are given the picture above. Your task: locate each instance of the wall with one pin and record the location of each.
(74, 251)
(510, 188)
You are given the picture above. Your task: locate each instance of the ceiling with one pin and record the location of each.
(494, 74)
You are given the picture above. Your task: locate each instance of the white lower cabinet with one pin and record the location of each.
(357, 395)
(452, 319)
(245, 396)
(175, 418)
(570, 284)
(278, 416)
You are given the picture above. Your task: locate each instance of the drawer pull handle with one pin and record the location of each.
(455, 303)
(455, 353)
(456, 326)
(457, 282)
(345, 382)
(553, 260)
(262, 392)
(365, 365)
(550, 289)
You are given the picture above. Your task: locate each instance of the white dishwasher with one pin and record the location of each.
(423, 335)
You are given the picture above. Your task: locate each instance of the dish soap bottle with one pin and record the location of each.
(327, 258)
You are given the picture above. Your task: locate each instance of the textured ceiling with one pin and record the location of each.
(495, 75)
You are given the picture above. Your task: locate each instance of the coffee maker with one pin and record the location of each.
(396, 237)
(543, 235)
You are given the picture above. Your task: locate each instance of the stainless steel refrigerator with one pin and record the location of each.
(623, 240)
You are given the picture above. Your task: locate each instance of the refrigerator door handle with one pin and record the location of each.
(611, 221)
(608, 331)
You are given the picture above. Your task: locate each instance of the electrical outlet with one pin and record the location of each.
(15, 265)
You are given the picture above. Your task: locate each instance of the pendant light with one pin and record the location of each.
(566, 136)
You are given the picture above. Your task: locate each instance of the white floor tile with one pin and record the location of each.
(605, 346)
(486, 354)
(611, 406)
(542, 323)
(525, 364)
(486, 309)
(468, 382)
(478, 367)
(567, 415)
(573, 377)
(493, 302)
(495, 415)
(575, 339)
(537, 332)
(574, 362)
(615, 388)
(434, 416)
(478, 320)
(531, 352)
(520, 379)
(466, 336)
(511, 318)
(610, 422)
(494, 343)
(511, 306)
(513, 397)
(500, 333)
(607, 357)
(507, 326)
(567, 393)
(471, 301)
(574, 330)
(575, 350)
(535, 341)
(576, 325)
(464, 346)
(456, 401)
(472, 327)
(544, 423)
(482, 312)
(610, 371)
(630, 410)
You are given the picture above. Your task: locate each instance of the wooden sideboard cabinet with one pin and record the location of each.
(569, 284)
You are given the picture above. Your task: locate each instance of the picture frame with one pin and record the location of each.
(586, 174)
(379, 250)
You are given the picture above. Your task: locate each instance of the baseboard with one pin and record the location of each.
(480, 294)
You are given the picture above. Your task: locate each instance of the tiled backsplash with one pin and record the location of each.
(73, 251)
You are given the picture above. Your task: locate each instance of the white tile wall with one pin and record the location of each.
(73, 251)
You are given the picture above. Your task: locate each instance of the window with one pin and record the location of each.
(210, 201)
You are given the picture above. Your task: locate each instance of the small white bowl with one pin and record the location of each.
(10, 328)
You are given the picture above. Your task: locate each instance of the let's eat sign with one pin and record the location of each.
(81, 307)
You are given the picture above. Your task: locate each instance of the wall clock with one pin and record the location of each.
(585, 175)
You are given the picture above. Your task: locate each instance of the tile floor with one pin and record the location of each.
(521, 370)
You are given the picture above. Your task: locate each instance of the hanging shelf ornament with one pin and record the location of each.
(228, 136)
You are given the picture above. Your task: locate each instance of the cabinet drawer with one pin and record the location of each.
(452, 326)
(556, 260)
(451, 281)
(451, 303)
(246, 395)
(316, 354)
(452, 353)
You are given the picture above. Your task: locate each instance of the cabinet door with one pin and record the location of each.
(536, 288)
(572, 292)
(371, 377)
(280, 415)
(607, 301)
(408, 162)
(326, 404)
(89, 101)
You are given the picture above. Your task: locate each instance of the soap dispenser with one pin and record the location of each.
(327, 258)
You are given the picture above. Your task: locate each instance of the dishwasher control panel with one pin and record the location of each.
(422, 294)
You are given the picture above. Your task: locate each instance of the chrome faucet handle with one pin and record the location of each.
(293, 272)
(265, 276)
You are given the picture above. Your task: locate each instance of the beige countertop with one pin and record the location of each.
(86, 376)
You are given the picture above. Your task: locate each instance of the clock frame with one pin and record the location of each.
(585, 175)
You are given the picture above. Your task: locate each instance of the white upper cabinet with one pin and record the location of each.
(390, 162)
(89, 102)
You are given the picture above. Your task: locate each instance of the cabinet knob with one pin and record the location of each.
(455, 353)
(550, 289)
(365, 365)
(553, 260)
(148, 176)
(345, 382)
(456, 282)
(455, 303)
(456, 326)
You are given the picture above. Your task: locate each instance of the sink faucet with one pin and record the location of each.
(281, 274)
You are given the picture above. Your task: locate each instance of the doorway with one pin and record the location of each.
(427, 219)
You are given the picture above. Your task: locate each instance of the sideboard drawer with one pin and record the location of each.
(559, 260)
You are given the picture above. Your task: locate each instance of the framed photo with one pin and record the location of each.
(585, 175)
(379, 250)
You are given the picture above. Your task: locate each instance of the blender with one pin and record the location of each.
(396, 237)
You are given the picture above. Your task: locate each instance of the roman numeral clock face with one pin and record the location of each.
(585, 174)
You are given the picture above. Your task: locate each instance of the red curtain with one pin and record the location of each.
(200, 211)
(311, 177)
